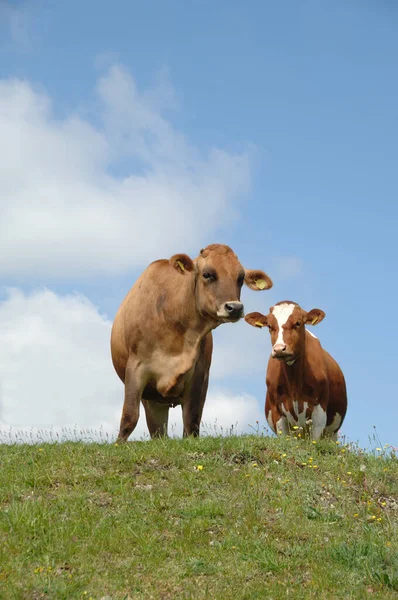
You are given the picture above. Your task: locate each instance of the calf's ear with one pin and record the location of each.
(314, 316)
(257, 280)
(256, 319)
(182, 263)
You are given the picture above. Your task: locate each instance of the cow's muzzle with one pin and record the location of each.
(280, 352)
(232, 311)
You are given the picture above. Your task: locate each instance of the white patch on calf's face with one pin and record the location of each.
(281, 313)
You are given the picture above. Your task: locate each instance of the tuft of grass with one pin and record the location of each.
(218, 518)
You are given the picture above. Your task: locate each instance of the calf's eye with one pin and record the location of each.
(207, 275)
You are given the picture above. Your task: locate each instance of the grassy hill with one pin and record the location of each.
(220, 518)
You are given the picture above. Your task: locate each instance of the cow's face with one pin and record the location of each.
(286, 323)
(219, 279)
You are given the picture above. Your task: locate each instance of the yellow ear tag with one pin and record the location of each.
(314, 321)
(181, 265)
(258, 324)
(261, 284)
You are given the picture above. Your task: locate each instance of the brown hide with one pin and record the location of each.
(305, 385)
(161, 339)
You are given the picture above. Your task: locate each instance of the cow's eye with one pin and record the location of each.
(207, 275)
(297, 324)
(241, 280)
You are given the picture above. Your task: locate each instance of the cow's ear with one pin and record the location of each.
(182, 263)
(257, 280)
(314, 316)
(256, 319)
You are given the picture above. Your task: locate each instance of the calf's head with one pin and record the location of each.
(286, 323)
(219, 278)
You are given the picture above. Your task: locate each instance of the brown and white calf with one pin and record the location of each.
(304, 383)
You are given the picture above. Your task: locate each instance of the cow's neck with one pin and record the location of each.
(295, 373)
(187, 322)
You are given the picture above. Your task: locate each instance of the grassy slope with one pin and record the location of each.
(263, 518)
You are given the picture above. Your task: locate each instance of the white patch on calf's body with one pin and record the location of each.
(334, 425)
(288, 415)
(281, 313)
(270, 421)
(282, 426)
(300, 419)
(301, 416)
(310, 332)
(318, 421)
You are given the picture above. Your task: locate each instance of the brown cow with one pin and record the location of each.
(304, 383)
(161, 338)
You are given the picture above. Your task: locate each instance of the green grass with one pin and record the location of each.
(264, 518)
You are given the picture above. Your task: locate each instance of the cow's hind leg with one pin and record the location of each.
(133, 388)
(157, 417)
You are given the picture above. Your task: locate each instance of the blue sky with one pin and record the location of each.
(271, 127)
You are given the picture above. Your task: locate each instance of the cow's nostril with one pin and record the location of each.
(234, 308)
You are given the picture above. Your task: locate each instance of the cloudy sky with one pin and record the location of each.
(131, 131)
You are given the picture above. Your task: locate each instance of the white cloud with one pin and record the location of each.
(64, 210)
(56, 372)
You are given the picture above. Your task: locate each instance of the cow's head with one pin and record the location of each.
(286, 321)
(219, 277)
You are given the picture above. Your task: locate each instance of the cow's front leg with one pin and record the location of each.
(133, 388)
(194, 398)
(157, 417)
